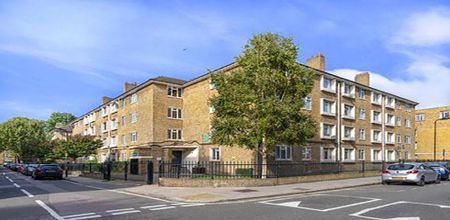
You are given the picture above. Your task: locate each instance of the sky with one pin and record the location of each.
(63, 56)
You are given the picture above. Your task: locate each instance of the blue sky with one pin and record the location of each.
(64, 55)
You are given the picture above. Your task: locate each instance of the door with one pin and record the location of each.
(177, 157)
(134, 166)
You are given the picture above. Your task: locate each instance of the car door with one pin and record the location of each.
(430, 173)
(423, 172)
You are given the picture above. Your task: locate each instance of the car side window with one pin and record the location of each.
(421, 167)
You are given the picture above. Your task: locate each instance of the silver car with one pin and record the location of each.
(409, 173)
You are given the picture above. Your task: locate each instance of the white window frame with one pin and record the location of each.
(332, 154)
(392, 135)
(392, 123)
(123, 139)
(352, 111)
(214, 154)
(372, 118)
(133, 98)
(361, 93)
(306, 153)
(398, 121)
(363, 136)
(123, 120)
(377, 102)
(133, 117)
(351, 93)
(407, 123)
(372, 135)
(332, 88)
(333, 107)
(363, 111)
(175, 92)
(372, 155)
(178, 133)
(113, 124)
(420, 117)
(352, 154)
(389, 102)
(444, 114)
(287, 153)
(133, 137)
(390, 155)
(174, 113)
(333, 131)
(307, 103)
(113, 142)
(352, 133)
(407, 139)
(363, 153)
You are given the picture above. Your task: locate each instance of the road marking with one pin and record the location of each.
(78, 215)
(11, 181)
(84, 217)
(16, 185)
(118, 191)
(119, 210)
(126, 212)
(152, 206)
(192, 205)
(180, 203)
(291, 204)
(49, 210)
(360, 213)
(27, 193)
(162, 208)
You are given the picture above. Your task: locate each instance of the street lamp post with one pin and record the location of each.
(435, 136)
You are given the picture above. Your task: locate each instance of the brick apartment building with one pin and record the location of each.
(425, 131)
(169, 119)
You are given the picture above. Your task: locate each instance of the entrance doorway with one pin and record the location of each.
(177, 157)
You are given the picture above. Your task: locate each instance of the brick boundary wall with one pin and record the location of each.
(185, 182)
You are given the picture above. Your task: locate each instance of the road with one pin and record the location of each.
(24, 198)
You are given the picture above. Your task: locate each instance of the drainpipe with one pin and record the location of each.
(339, 130)
(383, 138)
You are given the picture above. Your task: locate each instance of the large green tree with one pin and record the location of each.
(58, 117)
(76, 146)
(22, 137)
(259, 105)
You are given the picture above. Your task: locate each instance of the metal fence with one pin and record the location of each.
(211, 170)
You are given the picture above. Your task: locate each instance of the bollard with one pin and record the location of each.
(126, 171)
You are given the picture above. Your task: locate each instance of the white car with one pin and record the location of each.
(416, 173)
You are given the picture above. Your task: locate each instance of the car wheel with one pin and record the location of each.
(421, 181)
(438, 179)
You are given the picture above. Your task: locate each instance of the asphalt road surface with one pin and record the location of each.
(24, 198)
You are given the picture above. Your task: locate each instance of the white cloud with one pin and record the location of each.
(429, 28)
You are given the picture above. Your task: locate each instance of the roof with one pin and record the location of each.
(445, 107)
(169, 80)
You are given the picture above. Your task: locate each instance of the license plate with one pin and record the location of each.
(399, 178)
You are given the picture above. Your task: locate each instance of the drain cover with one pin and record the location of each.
(246, 190)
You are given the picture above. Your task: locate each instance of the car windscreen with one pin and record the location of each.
(49, 166)
(433, 165)
(401, 167)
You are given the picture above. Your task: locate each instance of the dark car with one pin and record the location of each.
(28, 170)
(13, 167)
(47, 171)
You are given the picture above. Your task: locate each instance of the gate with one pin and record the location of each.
(134, 166)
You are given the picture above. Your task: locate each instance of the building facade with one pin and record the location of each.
(170, 119)
(426, 119)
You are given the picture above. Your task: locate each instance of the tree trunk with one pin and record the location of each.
(263, 159)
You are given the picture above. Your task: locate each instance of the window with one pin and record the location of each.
(389, 138)
(408, 107)
(362, 134)
(124, 139)
(174, 134)
(212, 85)
(390, 154)
(124, 120)
(133, 137)
(123, 102)
(133, 117)
(376, 136)
(348, 90)
(376, 98)
(376, 155)
(174, 91)
(306, 153)
(361, 154)
(349, 111)
(349, 133)
(104, 127)
(348, 154)
(398, 121)
(389, 119)
(444, 114)
(408, 123)
(362, 114)
(307, 101)
(327, 154)
(283, 153)
(376, 118)
(215, 154)
(113, 107)
(328, 130)
(174, 113)
(328, 107)
(133, 98)
(361, 93)
(212, 109)
(113, 141)
(399, 138)
(390, 102)
(420, 117)
(407, 139)
(328, 84)
(104, 111)
(113, 124)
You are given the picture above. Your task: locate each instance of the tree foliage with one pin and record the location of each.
(58, 117)
(260, 104)
(76, 146)
(22, 137)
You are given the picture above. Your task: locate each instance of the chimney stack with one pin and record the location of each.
(105, 99)
(363, 78)
(317, 62)
(129, 86)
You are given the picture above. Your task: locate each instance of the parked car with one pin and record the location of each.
(14, 167)
(440, 168)
(417, 173)
(47, 170)
(28, 170)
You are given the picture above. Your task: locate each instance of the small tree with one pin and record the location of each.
(260, 105)
(22, 137)
(76, 146)
(58, 117)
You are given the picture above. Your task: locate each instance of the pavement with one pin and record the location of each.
(223, 194)
(25, 198)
